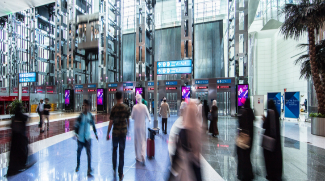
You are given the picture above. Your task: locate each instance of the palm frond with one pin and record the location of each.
(298, 17)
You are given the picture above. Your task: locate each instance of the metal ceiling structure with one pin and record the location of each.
(12, 6)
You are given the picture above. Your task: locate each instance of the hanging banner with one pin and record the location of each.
(276, 97)
(291, 104)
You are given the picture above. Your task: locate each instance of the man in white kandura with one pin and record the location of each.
(139, 114)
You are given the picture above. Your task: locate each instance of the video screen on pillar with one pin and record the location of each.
(67, 97)
(100, 94)
(186, 93)
(242, 94)
(138, 90)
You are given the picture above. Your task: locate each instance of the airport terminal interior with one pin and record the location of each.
(213, 90)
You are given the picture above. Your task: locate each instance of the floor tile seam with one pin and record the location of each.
(53, 120)
(69, 134)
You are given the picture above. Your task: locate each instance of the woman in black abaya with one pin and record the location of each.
(245, 123)
(19, 142)
(273, 159)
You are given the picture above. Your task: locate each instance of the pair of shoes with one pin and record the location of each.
(143, 160)
(42, 131)
(121, 177)
(165, 132)
(48, 128)
(90, 171)
(77, 168)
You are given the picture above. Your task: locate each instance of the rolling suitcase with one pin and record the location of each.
(150, 148)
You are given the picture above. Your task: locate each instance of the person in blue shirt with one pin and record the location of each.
(82, 130)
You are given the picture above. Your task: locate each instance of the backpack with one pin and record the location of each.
(37, 110)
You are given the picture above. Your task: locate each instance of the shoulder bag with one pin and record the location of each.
(243, 140)
(268, 142)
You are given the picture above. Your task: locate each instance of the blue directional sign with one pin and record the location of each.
(202, 82)
(92, 86)
(27, 77)
(152, 83)
(224, 81)
(171, 83)
(179, 70)
(112, 85)
(127, 84)
(79, 86)
(176, 63)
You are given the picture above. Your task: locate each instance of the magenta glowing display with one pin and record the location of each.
(100, 96)
(242, 94)
(67, 97)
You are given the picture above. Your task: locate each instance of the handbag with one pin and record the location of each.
(268, 142)
(209, 116)
(243, 140)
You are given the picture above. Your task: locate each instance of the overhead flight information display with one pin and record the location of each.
(27, 77)
(176, 63)
(179, 70)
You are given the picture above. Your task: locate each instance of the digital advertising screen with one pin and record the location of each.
(67, 96)
(186, 93)
(138, 90)
(100, 96)
(242, 94)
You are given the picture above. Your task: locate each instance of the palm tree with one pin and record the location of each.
(303, 60)
(307, 16)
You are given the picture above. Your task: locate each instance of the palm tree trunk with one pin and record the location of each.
(314, 71)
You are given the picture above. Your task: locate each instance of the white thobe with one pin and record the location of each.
(139, 114)
(199, 113)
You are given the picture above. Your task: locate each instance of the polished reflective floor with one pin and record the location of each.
(55, 153)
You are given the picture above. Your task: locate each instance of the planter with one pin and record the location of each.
(318, 126)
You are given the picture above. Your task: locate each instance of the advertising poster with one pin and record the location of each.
(67, 97)
(259, 105)
(291, 104)
(242, 94)
(100, 96)
(276, 97)
(186, 93)
(138, 90)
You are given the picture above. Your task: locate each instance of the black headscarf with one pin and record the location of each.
(206, 108)
(271, 105)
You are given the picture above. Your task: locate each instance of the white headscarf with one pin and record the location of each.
(139, 98)
(214, 102)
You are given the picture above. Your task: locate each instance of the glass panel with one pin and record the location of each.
(241, 3)
(241, 66)
(241, 43)
(241, 20)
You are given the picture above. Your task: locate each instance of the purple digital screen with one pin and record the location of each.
(138, 90)
(242, 94)
(67, 97)
(100, 95)
(186, 93)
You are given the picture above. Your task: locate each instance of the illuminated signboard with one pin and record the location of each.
(242, 94)
(175, 63)
(186, 93)
(67, 97)
(127, 84)
(171, 88)
(50, 92)
(80, 90)
(202, 87)
(152, 83)
(178, 70)
(151, 88)
(223, 87)
(112, 85)
(110, 90)
(91, 90)
(100, 96)
(224, 81)
(202, 82)
(27, 77)
(128, 89)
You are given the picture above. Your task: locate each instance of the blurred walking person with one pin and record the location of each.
(82, 130)
(214, 119)
(186, 160)
(19, 142)
(246, 126)
(205, 111)
(139, 114)
(165, 113)
(46, 115)
(120, 119)
(273, 158)
(39, 110)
